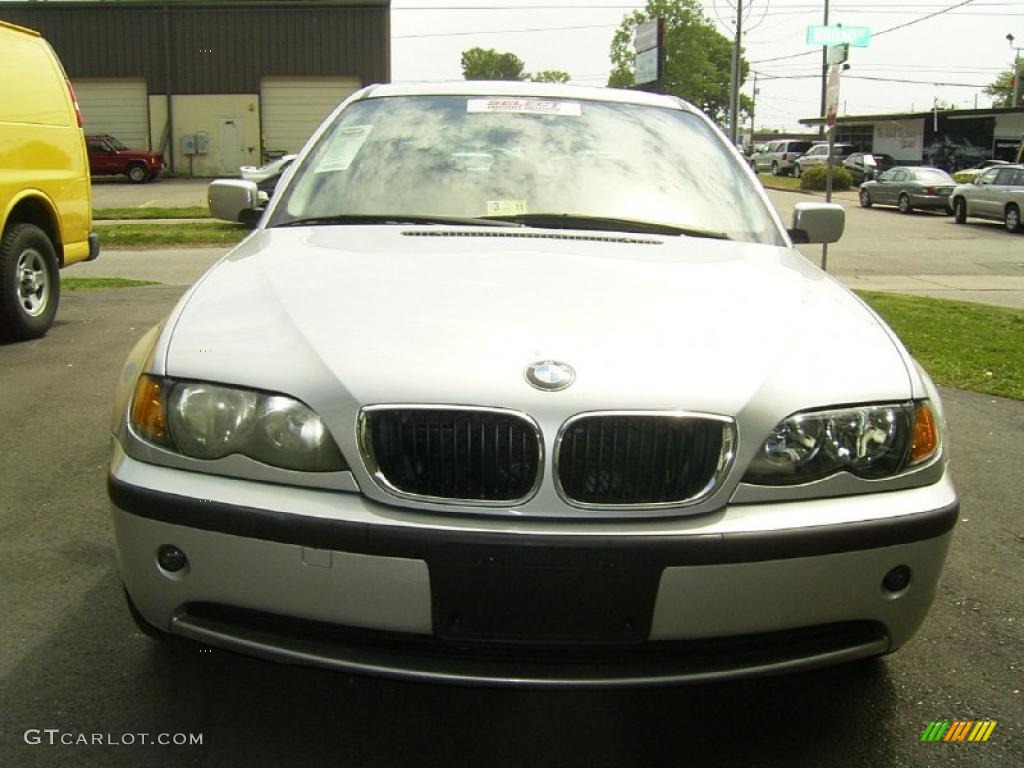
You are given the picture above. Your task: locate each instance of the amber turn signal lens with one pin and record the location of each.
(926, 434)
(148, 410)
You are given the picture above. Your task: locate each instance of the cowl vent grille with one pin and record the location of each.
(529, 236)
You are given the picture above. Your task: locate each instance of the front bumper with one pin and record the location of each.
(334, 580)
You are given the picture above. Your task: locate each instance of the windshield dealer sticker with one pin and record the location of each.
(344, 148)
(524, 107)
(506, 207)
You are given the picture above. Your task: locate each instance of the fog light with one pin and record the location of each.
(172, 559)
(897, 579)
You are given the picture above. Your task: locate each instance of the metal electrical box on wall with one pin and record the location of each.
(202, 142)
(188, 144)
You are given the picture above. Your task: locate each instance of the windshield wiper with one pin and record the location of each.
(606, 224)
(401, 218)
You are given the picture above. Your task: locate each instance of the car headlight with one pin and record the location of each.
(211, 421)
(870, 441)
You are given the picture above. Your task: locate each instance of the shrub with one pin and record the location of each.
(815, 176)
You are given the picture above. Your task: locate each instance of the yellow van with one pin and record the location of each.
(45, 197)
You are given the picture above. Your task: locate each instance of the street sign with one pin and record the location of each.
(838, 54)
(645, 36)
(859, 37)
(646, 66)
(832, 96)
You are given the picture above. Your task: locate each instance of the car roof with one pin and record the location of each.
(520, 88)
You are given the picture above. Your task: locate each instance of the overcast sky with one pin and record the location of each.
(966, 45)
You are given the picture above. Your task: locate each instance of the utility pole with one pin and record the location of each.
(824, 80)
(1016, 72)
(734, 93)
(753, 107)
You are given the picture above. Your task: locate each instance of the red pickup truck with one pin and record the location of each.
(109, 157)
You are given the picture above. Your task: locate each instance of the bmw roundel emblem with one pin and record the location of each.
(550, 375)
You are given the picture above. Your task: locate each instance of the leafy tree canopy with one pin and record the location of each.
(488, 64)
(550, 76)
(1001, 89)
(698, 58)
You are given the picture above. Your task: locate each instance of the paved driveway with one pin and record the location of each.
(70, 658)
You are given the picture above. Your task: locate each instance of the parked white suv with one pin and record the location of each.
(778, 156)
(818, 155)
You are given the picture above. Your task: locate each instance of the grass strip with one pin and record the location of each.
(978, 347)
(785, 183)
(187, 212)
(114, 236)
(100, 283)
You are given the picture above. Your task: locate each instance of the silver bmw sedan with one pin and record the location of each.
(527, 384)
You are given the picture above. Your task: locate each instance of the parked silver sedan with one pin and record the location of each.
(908, 188)
(997, 194)
(526, 384)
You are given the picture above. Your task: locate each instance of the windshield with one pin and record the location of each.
(539, 162)
(116, 144)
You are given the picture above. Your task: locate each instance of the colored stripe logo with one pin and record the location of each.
(959, 730)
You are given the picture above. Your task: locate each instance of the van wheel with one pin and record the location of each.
(137, 174)
(29, 283)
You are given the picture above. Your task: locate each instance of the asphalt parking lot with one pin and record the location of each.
(70, 658)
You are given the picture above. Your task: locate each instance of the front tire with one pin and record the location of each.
(29, 283)
(904, 204)
(1012, 218)
(137, 174)
(865, 199)
(960, 211)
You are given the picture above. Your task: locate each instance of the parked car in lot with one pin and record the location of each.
(864, 166)
(489, 396)
(109, 157)
(45, 197)
(778, 156)
(818, 155)
(909, 187)
(996, 194)
(969, 174)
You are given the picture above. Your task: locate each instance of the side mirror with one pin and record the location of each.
(817, 223)
(234, 200)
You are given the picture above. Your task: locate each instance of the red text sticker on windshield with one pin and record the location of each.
(524, 106)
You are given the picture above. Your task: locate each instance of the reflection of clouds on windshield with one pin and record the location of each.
(428, 156)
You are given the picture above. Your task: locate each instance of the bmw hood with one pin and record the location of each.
(346, 316)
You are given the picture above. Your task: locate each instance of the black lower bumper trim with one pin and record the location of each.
(536, 549)
(539, 665)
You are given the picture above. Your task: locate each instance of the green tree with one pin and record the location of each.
(1001, 89)
(488, 64)
(698, 58)
(550, 76)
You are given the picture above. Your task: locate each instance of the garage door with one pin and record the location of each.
(116, 106)
(292, 107)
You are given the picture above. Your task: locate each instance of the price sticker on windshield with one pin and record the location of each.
(506, 207)
(344, 147)
(524, 107)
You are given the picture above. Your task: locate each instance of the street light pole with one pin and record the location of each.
(734, 101)
(824, 80)
(1016, 72)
